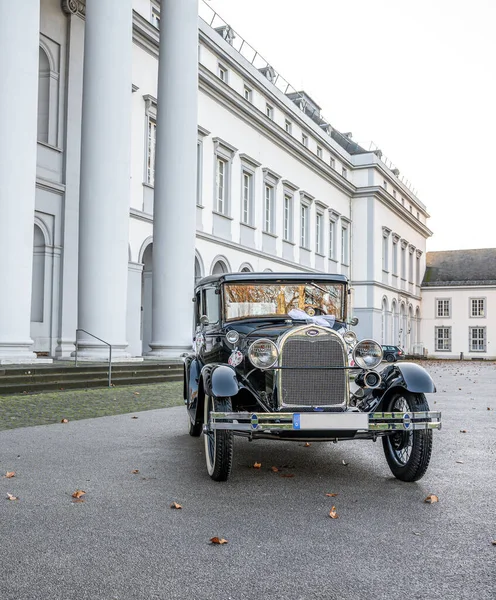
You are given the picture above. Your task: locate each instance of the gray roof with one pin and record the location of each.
(460, 267)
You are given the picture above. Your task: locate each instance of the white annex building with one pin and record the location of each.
(132, 163)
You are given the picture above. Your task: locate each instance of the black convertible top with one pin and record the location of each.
(268, 276)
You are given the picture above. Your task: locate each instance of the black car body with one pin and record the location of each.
(272, 358)
(392, 353)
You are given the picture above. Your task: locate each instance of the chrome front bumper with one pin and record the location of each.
(338, 421)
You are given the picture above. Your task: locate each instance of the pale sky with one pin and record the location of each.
(417, 77)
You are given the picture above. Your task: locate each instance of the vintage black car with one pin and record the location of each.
(273, 354)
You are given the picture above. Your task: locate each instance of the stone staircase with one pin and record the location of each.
(17, 379)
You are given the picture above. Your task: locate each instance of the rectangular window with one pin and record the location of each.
(222, 72)
(269, 111)
(247, 204)
(403, 262)
(443, 339)
(477, 339)
(417, 276)
(304, 140)
(385, 253)
(221, 195)
(268, 209)
(332, 162)
(319, 246)
(344, 172)
(332, 239)
(345, 245)
(385, 184)
(319, 151)
(410, 268)
(477, 307)
(395, 257)
(248, 94)
(288, 126)
(155, 19)
(150, 153)
(288, 218)
(394, 194)
(403, 201)
(199, 172)
(411, 210)
(418, 215)
(443, 308)
(304, 225)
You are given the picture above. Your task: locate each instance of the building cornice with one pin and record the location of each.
(384, 286)
(74, 7)
(460, 285)
(379, 193)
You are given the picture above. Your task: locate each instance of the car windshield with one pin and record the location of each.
(244, 300)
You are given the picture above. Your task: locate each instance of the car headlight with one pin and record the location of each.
(367, 354)
(350, 337)
(263, 354)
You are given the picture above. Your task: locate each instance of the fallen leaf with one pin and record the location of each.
(345, 463)
(135, 472)
(460, 462)
(9, 474)
(431, 499)
(287, 474)
(136, 393)
(275, 469)
(11, 497)
(216, 540)
(332, 513)
(78, 493)
(175, 505)
(463, 431)
(64, 421)
(134, 417)
(307, 445)
(331, 495)
(257, 465)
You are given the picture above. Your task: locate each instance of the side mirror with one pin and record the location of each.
(354, 321)
(204, 320)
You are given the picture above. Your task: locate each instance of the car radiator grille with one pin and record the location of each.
(300, 387)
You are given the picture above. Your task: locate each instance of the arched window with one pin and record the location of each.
(395, 328)
(384, 335)
(43, 97)
(220, 265)
(38, 277)
(246, 268)
(198, 270)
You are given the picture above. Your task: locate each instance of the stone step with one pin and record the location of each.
(71, 384)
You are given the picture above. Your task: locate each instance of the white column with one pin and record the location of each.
(174, 212)
(105, 177)
(19, 55)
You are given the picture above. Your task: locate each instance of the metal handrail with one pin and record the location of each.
(100, 340)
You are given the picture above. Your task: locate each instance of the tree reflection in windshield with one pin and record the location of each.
(254, 300)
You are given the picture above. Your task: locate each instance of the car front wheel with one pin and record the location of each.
(219, 442)
(390, 358)
(408, 452)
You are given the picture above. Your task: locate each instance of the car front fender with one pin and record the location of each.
(219, 381)
(410, 376)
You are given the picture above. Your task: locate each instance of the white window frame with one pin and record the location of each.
(480, 339)
(247, 93)
(480, 308)
(332, 162)
(269, 208)
(344, 172)
(404, 244)
(442, 343)
(199, 171)
(385, 249)
(320, 152)
(288, 207)
(247, 187)
(396, 240)
(443, 308)
(304, 139)
(223, 152)
(418, 255)
(150, 139)
(394, 194)
(385, 184)
(333, 219)
(319, 232)
(411, 274)
(155, 15)
(269, 111)
(345, 243)
(288, 126)
(223, 72)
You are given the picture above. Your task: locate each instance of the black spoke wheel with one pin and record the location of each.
(219, 442)
(408, 452)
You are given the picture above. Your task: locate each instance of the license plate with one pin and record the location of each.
(331, 421)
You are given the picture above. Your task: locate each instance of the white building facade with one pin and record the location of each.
(159, 159)
(459, 300)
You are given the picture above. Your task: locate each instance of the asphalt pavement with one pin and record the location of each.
(125, 542)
